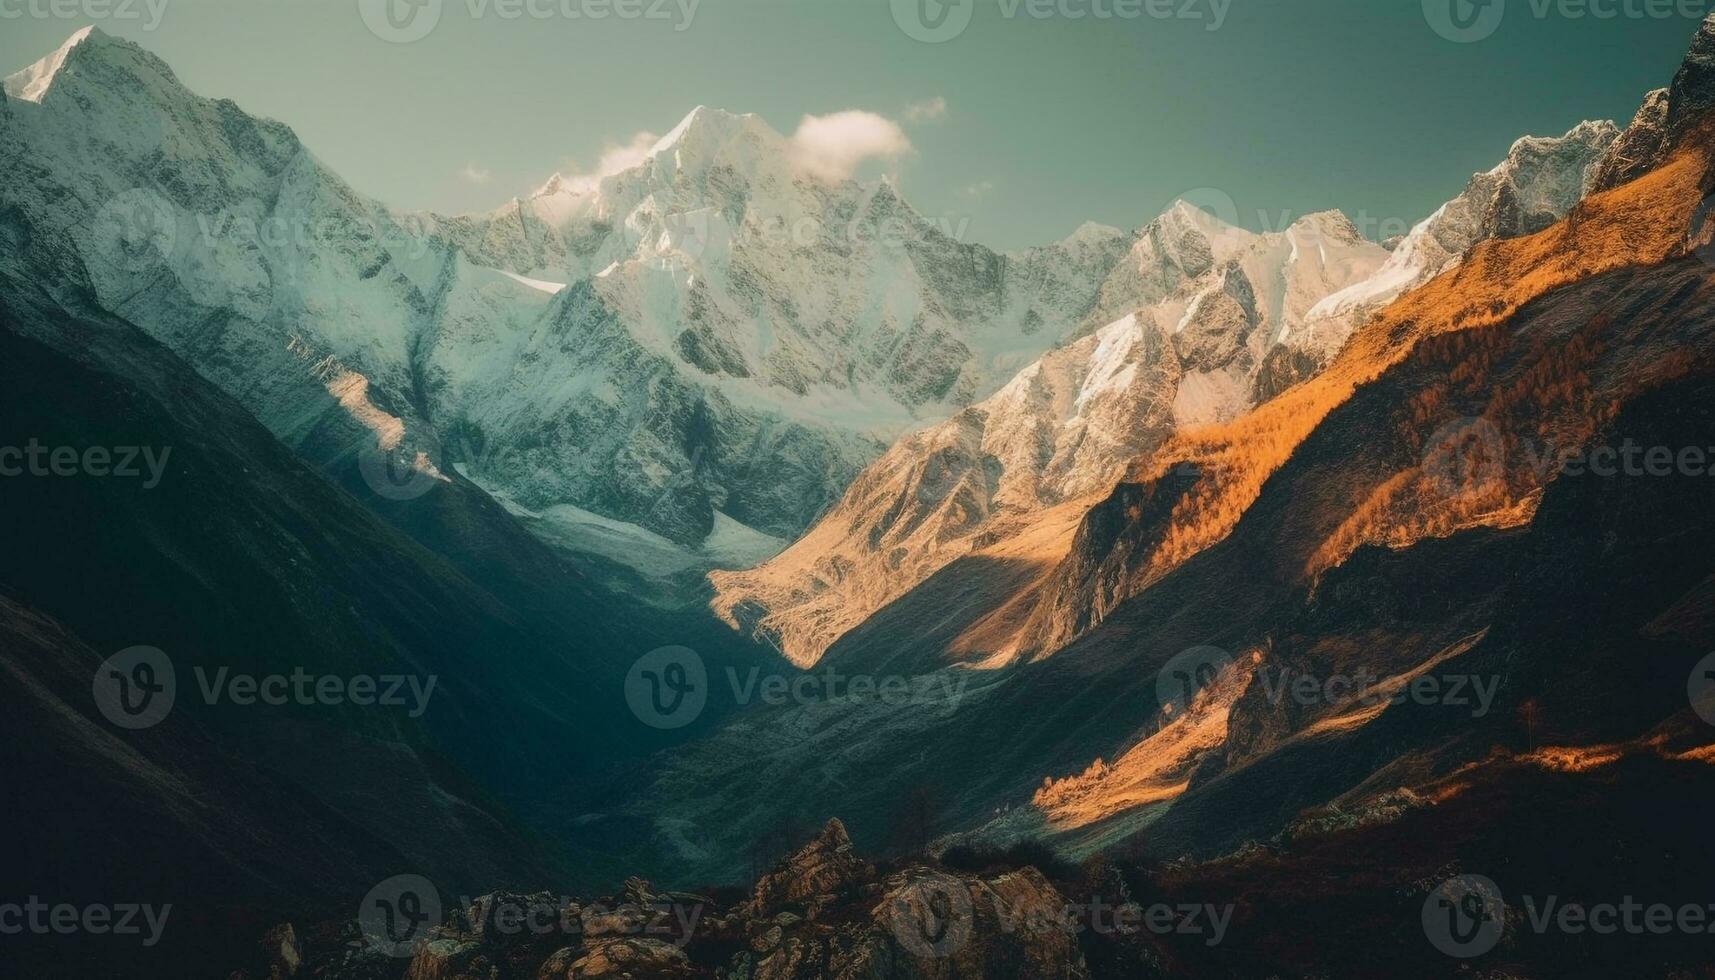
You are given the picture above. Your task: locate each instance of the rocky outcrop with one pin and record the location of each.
(823, 869)
(931, 924)
(1537, 184)
(631, 958)
(920, 923)
(451, 959)
(821, 913)
(1666, 117)
(279, 956)
(1638, 147)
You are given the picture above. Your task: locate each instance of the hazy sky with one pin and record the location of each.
(1044, 121)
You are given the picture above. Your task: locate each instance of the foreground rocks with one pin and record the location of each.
(926, 924)
(822, 912)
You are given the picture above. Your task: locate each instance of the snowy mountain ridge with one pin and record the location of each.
(712, 329)
(1058, 434)
(1223, 319)
(1537, 183)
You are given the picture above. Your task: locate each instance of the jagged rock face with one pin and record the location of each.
(822, 913)
(1536, 185)
(712, 330)
(932, 924)
(631, 958)
(926, 924)
(1062, 429)
(222, 237)
(1692, 93)
(823, 867)
(1666, 117)
(1636, 149)
(1113, 560)
(451, 959)
(753, 330)
(1181, 245)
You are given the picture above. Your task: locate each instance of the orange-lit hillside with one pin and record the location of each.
(1643, 223)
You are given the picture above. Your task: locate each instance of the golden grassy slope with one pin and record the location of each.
(1643, 223)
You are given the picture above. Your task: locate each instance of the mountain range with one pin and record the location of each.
(1098, 505)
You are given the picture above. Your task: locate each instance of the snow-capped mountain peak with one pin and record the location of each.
(1537, 183)
(30, 84)
(705, 333)
(1091, 231)
(93, 58)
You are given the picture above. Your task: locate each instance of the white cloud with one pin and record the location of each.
(834, 146)
(476, 174)
(929, 110)
(981, 188)
(615, 158)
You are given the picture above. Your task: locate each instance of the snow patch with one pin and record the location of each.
(32, 83)
(538, 284)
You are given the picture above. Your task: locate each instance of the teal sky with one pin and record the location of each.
(1290, 106)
